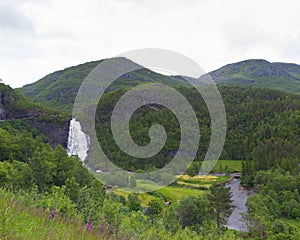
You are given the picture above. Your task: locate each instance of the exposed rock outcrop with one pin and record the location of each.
(49, 124)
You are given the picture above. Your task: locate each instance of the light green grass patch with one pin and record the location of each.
(232, 165)
(183, 187)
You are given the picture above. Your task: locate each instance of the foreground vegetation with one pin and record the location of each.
(23, 221)
(45, 182)
(49, 194)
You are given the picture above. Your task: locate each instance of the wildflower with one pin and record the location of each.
(89, 224)
(52, 214)
(102, 225)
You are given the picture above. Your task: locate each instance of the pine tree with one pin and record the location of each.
(220, 198)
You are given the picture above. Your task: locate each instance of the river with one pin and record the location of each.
(239, 197)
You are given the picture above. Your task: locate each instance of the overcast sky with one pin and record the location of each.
(38, 37)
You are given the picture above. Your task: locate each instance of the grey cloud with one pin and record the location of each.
(290, 47)
(12, 18)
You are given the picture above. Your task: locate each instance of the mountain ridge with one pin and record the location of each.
(59, 88)
(260, 73)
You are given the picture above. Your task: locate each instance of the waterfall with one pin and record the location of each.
(78, 141)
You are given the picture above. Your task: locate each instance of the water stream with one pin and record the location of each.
(239, 197)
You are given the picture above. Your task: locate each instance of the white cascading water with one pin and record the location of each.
(78, 141)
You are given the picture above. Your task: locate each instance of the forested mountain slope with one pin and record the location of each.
(255, 117)
(18, 113)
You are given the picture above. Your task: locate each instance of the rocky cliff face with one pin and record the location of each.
(55, 133)
(2, 113)
(50, 124)
(3, 102)
(11, 107)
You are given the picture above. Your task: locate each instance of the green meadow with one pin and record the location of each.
(184, 186)
(231, 165)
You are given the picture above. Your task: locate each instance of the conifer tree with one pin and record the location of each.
(220, 198)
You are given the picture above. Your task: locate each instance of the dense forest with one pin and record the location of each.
(260, 122)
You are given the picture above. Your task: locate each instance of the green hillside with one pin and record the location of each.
(291, 68)
(260, 73)
(59, 89)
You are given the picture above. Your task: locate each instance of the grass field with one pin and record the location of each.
(175, 193)
(202, 180)
(145, 198)
(184, 186)
(232, 165)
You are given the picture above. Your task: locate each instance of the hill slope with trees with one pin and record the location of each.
(255, 118)
(18, 114)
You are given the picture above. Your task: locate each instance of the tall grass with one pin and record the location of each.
(18, 221)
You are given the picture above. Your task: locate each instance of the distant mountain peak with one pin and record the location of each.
(261, 73)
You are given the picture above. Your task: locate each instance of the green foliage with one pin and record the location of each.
(42, 168)
(278, 198)
(193, 212)
(229, 166)
(112, 215)
(155, 208)
(72, 189)
(247, 173)
(48, 174)
(133, 203)
(16, 175)
(193, 170)
(220, 199)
